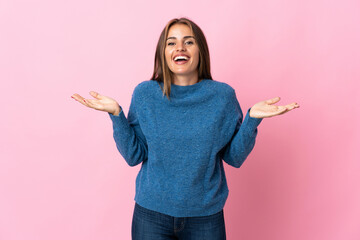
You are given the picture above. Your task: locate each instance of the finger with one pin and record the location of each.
(90, 102)
(76, 96)
(292, 106)
(95, 94)
(79, 98)
(273, 100)
(282, 109)
(289, 108)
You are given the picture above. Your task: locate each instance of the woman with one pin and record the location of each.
(181, 139)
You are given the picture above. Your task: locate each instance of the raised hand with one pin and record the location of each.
(100, 102)
(266, 109)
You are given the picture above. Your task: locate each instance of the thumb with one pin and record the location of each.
(95, 95)
(273, 100)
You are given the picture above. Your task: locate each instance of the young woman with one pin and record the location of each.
(181, 125)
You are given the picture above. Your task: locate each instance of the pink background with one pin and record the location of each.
(61, 176)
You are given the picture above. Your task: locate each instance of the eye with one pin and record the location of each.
(189, 42)
(170, 43)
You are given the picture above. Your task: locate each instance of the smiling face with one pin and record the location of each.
(182, 51)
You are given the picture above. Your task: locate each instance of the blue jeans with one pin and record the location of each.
(151, 225)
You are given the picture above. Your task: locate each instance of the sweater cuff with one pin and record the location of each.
(250, 122)
(119, 119)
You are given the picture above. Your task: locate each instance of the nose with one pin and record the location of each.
(180, 47)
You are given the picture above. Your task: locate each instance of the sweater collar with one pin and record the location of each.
(180, 91)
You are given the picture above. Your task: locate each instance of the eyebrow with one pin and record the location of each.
(183, 37)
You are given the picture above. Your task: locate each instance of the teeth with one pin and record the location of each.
(180, 57)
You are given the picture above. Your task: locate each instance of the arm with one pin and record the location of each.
(243, 139)
(128, 136)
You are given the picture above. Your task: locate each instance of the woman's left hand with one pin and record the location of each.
(265, 109)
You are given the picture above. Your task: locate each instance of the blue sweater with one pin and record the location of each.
(181, 143)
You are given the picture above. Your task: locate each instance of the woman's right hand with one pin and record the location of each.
(100, 102)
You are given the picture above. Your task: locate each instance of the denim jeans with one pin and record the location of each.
(151, 225)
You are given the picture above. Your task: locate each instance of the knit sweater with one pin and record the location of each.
(181, 143)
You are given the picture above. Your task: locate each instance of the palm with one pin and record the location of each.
(102, 103)
(265, 109)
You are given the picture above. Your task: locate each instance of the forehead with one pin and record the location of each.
(179, 30)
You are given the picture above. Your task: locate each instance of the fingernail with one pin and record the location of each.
(84, 100)
(72, 96)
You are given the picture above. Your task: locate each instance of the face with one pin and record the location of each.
(181, 41)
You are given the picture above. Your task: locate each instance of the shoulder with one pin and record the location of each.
(143, 91)
(227, 95)
(222, 89)
(143, 87)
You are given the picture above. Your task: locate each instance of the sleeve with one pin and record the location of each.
(243, 140)
(128, 136)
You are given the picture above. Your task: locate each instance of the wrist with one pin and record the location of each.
(250, 113)
(117, 111)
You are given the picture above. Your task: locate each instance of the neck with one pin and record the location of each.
(183, 80)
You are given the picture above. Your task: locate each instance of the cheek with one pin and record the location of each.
(168, 56)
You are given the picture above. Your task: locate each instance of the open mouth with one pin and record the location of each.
(181, 59)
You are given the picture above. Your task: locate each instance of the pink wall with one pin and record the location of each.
(61, 176)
